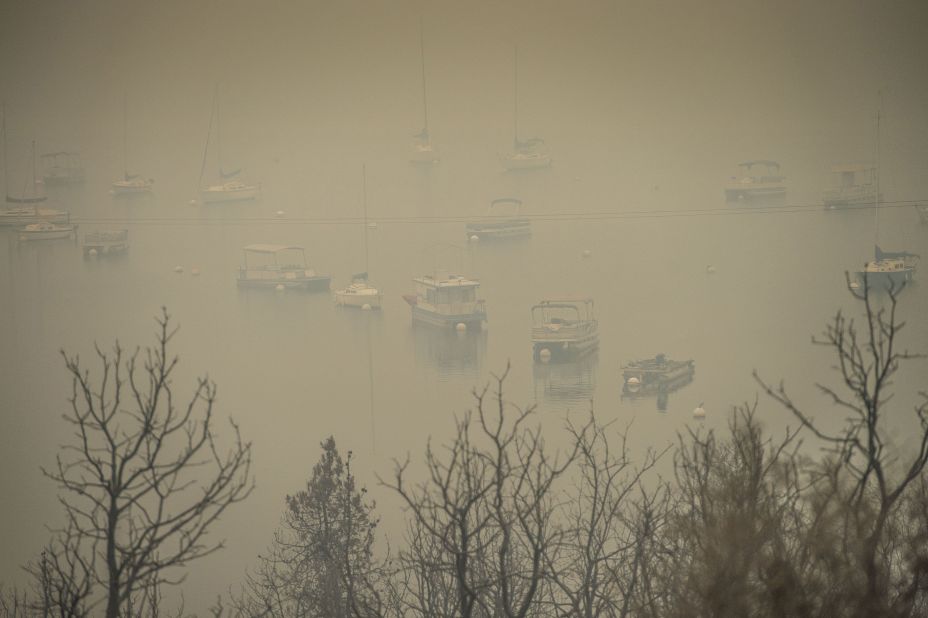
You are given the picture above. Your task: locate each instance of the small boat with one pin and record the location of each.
(131, 184)
(856, 187)
(106, 242)
(26, 210)
(447, 301)
(563, 329)
(231, 191)
(888, 270)
(360, 293)
(526, 154)
(422, 151)
(922, 210)
(270, 266)
(750, 185)
(62, 168)
(230, 188)
(21, 216)
(47, 231)
(498, 226)
(654, 376)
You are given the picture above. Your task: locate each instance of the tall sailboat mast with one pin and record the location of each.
(209, 134)
(515, 96)
(876, 207)
(6, 176)
(125, 135)
(425, 100)
(364, 206)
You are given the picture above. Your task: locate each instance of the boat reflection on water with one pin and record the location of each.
(450, 352)
(571, 383)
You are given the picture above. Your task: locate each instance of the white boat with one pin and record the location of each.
(25, 210)
(563, 329)
(529, 153)
(62, 168)
(360, 293)
(279, 267)
(131, 184)
(855, 187)
(106, 242)
(230, 188)
(422, 151)
(231, 191)
(447, 301)
(888, 270)
(748, 184)
(499, 226)
(46, 231)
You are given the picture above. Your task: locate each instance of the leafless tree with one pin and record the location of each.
(869, 478)
(489, 503)
(144, 478)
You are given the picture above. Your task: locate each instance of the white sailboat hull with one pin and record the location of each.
(519, 161)
(359, 298)
(222, 193)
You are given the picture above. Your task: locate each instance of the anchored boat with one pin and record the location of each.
(888, 269)
(131, 184)
(563, 329)
(447, 301)
(422, 151)
(106, 242)
(279, 267)
(62, 168)
(360, 293)
(230, 188)
(653, 376)
(856, 187)
(497, 226)
(529, 153)
(46, 231)
(752, 185)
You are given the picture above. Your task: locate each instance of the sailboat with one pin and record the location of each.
(26, 209)
(529, 153)
(230, 188)
(423, 152)
(887, 270)
(131, 184)
(360, 293)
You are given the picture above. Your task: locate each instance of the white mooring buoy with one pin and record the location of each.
(280, 287)
(475, 238)
(460, 327)
(699, 412)
(544, 355)
(366, 307)
(195, 272)
(178, 269)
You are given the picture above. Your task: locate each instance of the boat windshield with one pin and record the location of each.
(451, 295)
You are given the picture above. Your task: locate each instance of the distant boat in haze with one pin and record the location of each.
(62, 168)
(448, 301)
(498, 225)
(130, 184)
(360, 293)
(855, 187)
(230, 188)
(423, 152)
(26, 208)
(564, 329)
(528, 153)
(750, 185)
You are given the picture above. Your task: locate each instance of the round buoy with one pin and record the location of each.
(586, 253)
(192, 202)
(633, 384)
(699, 412)
(195, 272)
(460, 327)
(366, 307)
(710, 269)
(475, 238)
(576, 179)
(112, 192)
(279, 213)
(92, 252)
(372, 225)
(178, 269)
(854, 285)
(544, 355)
(280, 287)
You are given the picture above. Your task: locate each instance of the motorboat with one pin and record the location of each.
(856, 187)
(279, 267)
(499, 226)
(47, 231)
(62, 168)
(26, 215)
(447, 301)
(105, 242)
(563, 329)
(654, 376)
(750, 184)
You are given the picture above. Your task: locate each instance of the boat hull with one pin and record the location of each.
(656, 382)
(131, 189)
(564, 351)
(499, 231)
(228, 195)
(16, 218)
(516, 162)
(754, 192)
(358, 301)
(46, 235)
(423, 156)
(887, 279)
(835, 201)
(308, 284)
(472, 321)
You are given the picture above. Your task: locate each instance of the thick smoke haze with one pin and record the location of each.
(646, 109)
